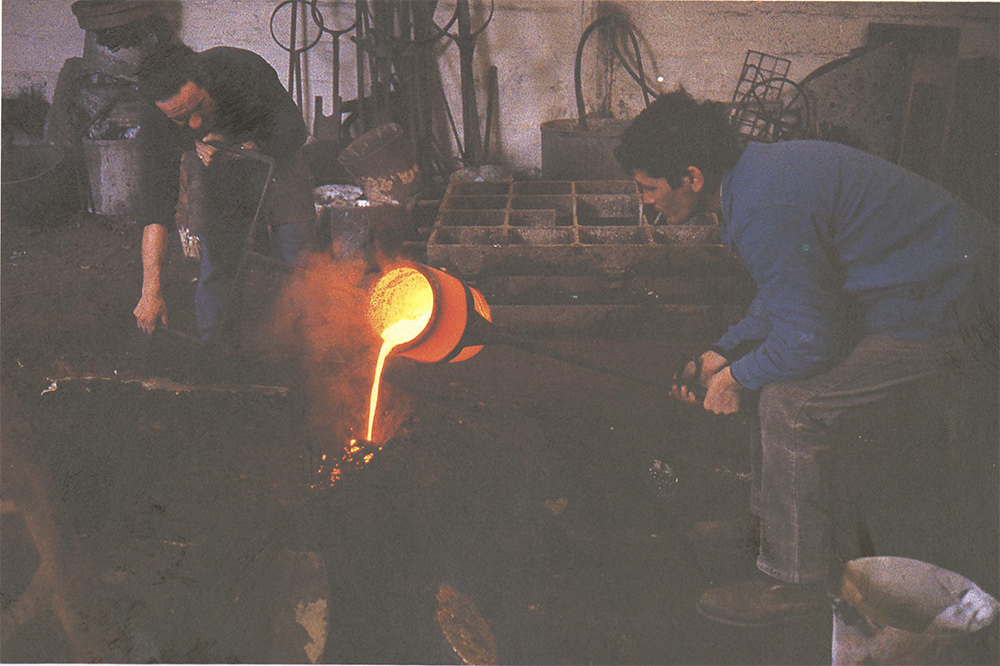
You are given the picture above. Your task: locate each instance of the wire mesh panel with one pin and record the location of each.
(761, 81)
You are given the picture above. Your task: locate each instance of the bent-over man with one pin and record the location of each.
(199, 102)
(867, 275)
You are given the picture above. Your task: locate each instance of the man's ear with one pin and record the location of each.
(697, 179)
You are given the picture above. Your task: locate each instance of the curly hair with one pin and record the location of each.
(165, 69)
(676, 132)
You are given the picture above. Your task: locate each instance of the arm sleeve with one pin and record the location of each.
(755, 325)
(283, 131)
(253, 105)
(160, 168)
(797, 293)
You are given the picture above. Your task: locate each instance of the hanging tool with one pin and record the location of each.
(466, 42)
(327, 128)
(413, 43)
(360, 8)
(492, 92)
(613, 23)
(294, 51)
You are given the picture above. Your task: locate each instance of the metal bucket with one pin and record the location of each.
(895, 610)
(356, 228)
(113, 168)
(39, 186)
(570, 152)
(383, 163)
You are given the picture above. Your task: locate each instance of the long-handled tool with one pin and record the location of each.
(327, 128)
(294, 50)
(500, 336)
(248, 251)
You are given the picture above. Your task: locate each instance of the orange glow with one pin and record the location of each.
(396, 334)
(401, 295)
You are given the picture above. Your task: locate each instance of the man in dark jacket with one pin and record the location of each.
(199, 102)
(866, 278)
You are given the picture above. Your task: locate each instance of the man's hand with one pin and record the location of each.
(206, 151)
(711, 363)
(723, 396)
(150, 311)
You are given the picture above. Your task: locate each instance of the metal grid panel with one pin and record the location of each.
(762, 79)
(555, 226)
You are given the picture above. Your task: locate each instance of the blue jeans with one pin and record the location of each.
(215, 283)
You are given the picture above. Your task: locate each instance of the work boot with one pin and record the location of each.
(736, 536)
(761, 601)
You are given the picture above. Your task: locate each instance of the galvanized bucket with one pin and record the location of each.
(894, 610)
(114, 167)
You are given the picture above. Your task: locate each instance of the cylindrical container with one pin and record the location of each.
(39, 186)
(356, 227)
(113, 168)
(570, 152)
(895, 610)
(449, 309)
(383, 163)
(99, 59)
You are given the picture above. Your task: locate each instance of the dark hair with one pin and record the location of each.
(165, 69)
(676, 132)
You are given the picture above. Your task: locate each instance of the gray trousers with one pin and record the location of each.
(794, 449)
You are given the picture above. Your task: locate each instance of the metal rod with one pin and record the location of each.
(495, 335)
(359, 40)
(293, 30)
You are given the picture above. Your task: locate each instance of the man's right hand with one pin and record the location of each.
(711, 364)
(151, 311)
(204, 148)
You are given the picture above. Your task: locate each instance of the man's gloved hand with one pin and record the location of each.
(706, 366)
(150, 311)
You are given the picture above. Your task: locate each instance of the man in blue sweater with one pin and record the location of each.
(867, 280)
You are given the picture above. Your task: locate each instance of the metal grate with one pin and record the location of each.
(761, 81)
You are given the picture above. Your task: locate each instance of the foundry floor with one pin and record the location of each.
(194, 526)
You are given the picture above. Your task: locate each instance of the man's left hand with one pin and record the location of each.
(206, 151)
(723, 396)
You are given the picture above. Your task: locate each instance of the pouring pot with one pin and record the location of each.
(455, 316)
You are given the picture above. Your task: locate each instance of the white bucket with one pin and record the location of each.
(895, 610)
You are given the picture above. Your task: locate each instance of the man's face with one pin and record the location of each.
(191, 107)
(676, 205)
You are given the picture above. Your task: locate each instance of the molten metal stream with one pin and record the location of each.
(396, 334)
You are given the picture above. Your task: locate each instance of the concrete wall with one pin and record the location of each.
(700, 45)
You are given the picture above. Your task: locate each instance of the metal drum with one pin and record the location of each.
(570, 152)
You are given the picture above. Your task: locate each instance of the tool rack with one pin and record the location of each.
(560, 256)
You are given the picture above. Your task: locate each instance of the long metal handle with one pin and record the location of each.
(240, 153)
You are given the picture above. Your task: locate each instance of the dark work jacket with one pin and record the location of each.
(250, 105)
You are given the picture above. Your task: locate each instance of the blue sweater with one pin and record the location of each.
(819, 224)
